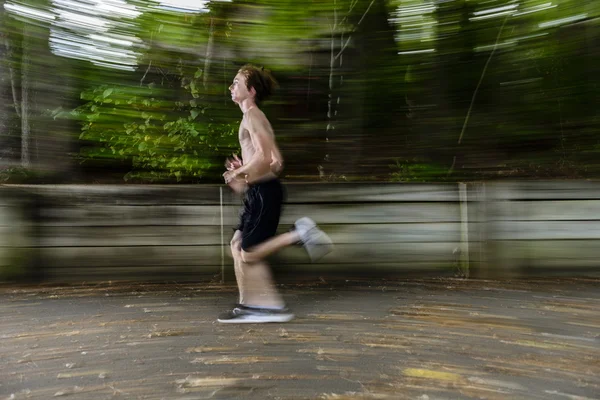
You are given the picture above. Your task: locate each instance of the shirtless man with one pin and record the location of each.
(256, 176)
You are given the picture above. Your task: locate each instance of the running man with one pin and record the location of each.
(256, 176)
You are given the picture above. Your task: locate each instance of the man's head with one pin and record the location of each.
(252, 82)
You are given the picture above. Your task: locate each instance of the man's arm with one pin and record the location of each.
(276, 161)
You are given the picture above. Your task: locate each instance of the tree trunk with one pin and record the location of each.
(11, 72)
(334, 99)
(4, 101)
(209, 52)
(25, 83)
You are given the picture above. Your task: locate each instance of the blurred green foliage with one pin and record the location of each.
(417, 171)
(482, 89)
(164, 139)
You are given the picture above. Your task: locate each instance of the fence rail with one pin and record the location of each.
(80, 232)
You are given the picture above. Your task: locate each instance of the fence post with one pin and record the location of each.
(222, 236)
(505, 255)
(464, 229)
(479, 266)
(19, 236)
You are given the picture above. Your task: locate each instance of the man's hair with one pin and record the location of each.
(260, 79)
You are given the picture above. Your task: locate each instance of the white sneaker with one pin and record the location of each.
(316, 242)
(248, 315)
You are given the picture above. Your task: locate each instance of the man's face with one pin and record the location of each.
(238, 89)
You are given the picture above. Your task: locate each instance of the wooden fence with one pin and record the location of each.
(504, 229)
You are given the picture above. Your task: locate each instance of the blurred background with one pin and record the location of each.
(480, 116)
(112, 91)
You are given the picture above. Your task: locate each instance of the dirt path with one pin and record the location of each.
(404, 339)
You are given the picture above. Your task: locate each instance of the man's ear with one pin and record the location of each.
(252, 91)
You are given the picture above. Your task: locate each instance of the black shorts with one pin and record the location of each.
(259, 217)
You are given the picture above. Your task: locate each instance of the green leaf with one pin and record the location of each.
(107, 93)
(142, 146)
(194, 114)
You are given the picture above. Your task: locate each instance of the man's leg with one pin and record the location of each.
(236, 245)
(316, 242)
(263, 250)
(260, 301)
(255, 282)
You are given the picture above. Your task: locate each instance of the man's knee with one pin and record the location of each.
(249, 257)
(236, 248)
(237, 237)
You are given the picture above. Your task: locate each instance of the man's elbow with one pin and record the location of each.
(265, 159)
(276, 166)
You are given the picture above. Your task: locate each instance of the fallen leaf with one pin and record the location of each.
(430, 374)
(207, 381)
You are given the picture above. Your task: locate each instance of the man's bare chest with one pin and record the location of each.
(244, 134)
(245, 143)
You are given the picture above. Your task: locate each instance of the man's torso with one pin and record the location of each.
(248, 149)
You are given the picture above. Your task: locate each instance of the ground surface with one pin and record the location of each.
(402, 339)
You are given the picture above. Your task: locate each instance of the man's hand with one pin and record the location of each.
(238, 186)
(233, 163)
(230, 175)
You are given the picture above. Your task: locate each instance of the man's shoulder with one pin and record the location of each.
(255, 112)
(254, 117)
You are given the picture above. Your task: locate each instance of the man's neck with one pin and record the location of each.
(247, 105)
